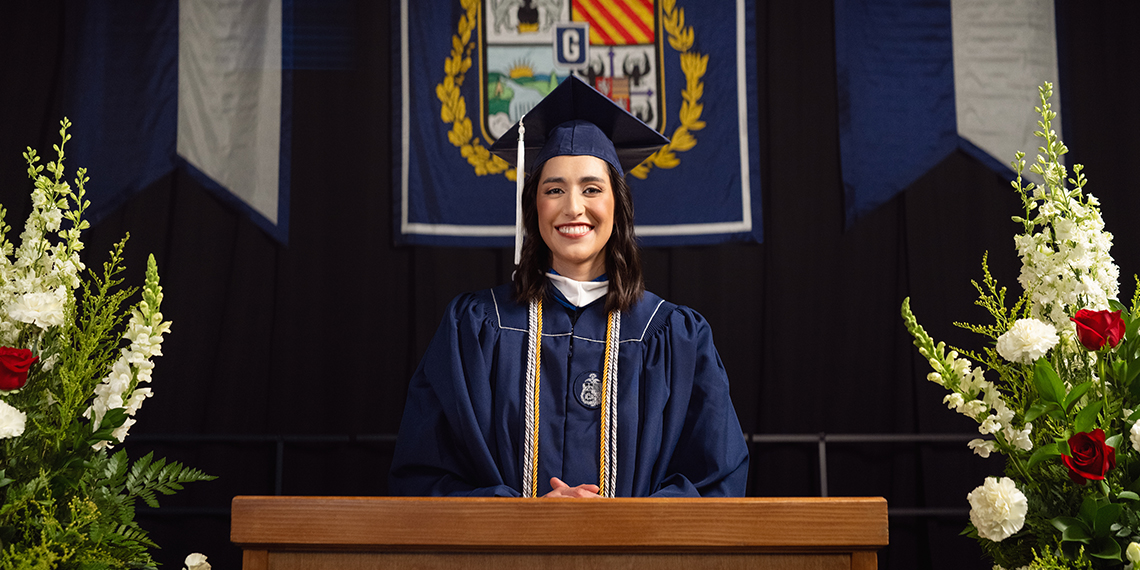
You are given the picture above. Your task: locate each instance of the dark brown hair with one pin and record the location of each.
(623, 258)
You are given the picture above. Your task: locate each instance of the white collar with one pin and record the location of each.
(579, 293)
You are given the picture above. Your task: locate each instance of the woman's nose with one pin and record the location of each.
(574, 204)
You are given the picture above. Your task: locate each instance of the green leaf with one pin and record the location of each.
(1040, 408)
(1105, 516)
(1048, 383)
(1086, 418)
(1044, 452)
(1072, 530)
(1114, 441)
(1075, 395)
(1132, 328)
(1133, 369)
(111, 421)
(1109, 549)
(1088, 511)
(1119, 369)
(1128, 495)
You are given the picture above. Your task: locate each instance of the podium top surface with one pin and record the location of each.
(450, 523)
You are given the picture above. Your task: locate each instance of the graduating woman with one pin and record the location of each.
(572, 381)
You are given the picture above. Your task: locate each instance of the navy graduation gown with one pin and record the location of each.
(463, 423)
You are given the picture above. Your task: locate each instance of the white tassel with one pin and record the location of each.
(520, 174)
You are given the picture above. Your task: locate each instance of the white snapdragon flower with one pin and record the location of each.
(1132, 553)
(196, 561)
(1027, 340)
(136, 400)
(989, 425)
(953, 401)
(997, 508)
(120, 389)
(120, 433)
(1067, 264)
(973, 408)
(1019, 438)
(983, 447)
(11, 421)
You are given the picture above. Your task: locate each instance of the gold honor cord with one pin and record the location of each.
(534, 367)
(607, 464)
(607, 447)
(537, 402)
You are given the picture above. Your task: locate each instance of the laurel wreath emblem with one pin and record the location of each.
(453, 107)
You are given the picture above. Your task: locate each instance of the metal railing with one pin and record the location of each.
(280, 443)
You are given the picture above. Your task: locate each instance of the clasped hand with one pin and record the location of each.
(562, 490)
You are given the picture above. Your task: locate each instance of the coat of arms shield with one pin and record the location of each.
(518, 62)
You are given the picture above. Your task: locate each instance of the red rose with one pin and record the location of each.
(1095, 328)
(14, 365)
(1090, 457)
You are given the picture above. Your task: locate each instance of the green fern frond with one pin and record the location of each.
(147, 476)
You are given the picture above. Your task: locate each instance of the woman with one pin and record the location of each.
(572, 381)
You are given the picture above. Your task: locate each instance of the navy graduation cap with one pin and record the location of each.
(574, 119)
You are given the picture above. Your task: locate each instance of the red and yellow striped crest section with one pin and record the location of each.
(616, 22)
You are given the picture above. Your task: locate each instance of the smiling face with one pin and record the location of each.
(575, 203)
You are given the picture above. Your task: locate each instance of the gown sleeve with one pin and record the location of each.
(445, 446)
(704, 451)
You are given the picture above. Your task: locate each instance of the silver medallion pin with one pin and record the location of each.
(590, 393)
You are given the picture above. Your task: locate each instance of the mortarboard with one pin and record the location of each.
(575, 119)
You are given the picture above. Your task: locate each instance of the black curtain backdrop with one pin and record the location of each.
(295, 359)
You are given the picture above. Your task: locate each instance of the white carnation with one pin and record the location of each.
(11, 421)
(997, 508)
(196, 561)
(42, 309)
(1135, 436)
(1026, 341)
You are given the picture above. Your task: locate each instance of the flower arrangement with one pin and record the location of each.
(69, 390)
(1063, 409)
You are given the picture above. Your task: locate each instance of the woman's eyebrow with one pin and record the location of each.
(561, 180)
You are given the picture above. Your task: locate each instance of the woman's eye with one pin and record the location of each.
(552, 191)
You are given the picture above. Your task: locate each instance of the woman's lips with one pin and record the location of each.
(574, 230)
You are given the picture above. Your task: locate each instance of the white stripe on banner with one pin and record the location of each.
(1003, 50)
(229, 95)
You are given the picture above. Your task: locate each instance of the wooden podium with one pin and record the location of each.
(356, 533)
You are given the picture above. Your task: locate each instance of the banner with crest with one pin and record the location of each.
(468, 69)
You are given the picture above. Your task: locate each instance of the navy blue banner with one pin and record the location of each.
(468, 70)
(919, 80)
(197, 84)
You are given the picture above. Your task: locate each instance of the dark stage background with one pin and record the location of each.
(287, 365)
